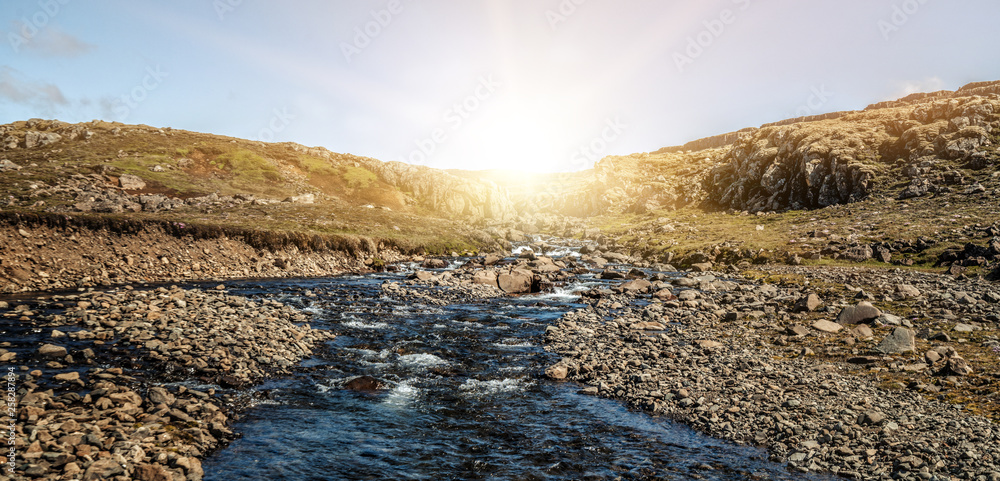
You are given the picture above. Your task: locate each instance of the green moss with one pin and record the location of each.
(316, 165)
(359, 177)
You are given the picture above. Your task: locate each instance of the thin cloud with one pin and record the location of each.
(54, 42)
(43, 97)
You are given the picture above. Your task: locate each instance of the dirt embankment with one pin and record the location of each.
(58, 252)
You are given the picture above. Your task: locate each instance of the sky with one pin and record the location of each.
(538, 85)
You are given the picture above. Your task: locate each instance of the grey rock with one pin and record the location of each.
(901, 340)
(862, 312)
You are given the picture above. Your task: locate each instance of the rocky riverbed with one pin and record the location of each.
(155, 414)
(814, 365)
(865, 373)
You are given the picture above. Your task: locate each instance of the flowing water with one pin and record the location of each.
(462, 399)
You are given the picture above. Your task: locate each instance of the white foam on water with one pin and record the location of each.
(314, 310)
(365, 325)
(563, 252)
(519, 250)
(421, 360)
(476, 387)
(402, 395)
(514, 343)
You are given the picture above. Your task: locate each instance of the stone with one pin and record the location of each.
(516, 281)
(932, 356)
(192, 468)
(67, 376)
(151, 472)
(907, 291)
(797, 330)
(52, 351)
(708, 344)
(964, 328)
(423, 276)
(827, 326)
(485, 277)
(808, 303)
(702, 266)
(131, 182)
(102, 469)
(864, 311)
(901, 340)
(34, 139)
(638, 285)
(364, 384)
(159, 395)
(491, 260)
(648, 326)
(871, 418)
(665, 295)
(862, 332)
(958, 366)
(557, 372)
(434, 264)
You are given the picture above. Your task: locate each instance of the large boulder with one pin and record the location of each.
(131, 182)
(517, 281)
(901, 340)
(486, 277)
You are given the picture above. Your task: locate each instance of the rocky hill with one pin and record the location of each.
(111, 167)
(923, 143)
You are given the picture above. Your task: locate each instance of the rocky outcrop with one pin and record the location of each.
(803, 163)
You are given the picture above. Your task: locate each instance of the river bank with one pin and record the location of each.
(800, 366)
(123, 384)
(40, 257)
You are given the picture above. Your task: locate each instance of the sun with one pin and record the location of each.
(517, 135)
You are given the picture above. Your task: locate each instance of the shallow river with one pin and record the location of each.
(463, 399)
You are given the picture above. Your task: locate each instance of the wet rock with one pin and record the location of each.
(516, 281)
(364, 384)
(434, 264)
(557, 372)
(52, 351)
